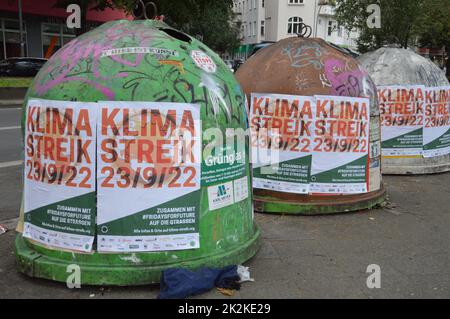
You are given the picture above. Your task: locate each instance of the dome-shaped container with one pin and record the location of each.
(402, 67)
(311, 67)
(142, 65)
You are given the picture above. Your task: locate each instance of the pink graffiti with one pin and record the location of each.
(68, 58)
(344, 80)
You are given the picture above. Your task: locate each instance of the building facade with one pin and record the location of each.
(44, 28)
(273, 20)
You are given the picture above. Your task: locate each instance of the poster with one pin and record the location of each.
(340, 146)
(402, 120)
(59, 173)
(436, 129)
(375, 155)
(281, 139)
(149, 175)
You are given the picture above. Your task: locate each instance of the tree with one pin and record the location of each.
(399, 21)
(211, 20)
(434, 31)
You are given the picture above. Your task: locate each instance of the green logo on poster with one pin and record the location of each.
(221, 191)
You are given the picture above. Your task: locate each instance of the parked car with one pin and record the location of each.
(21, 66)
(260, 46)
(237, 64)
(345, 50)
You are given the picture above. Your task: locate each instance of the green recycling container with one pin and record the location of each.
(135, 66)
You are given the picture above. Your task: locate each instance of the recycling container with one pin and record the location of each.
(281, 82)
(118, 181)
(420, 143)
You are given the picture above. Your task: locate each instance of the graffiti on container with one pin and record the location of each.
(301, 81)
(177, 64)
(81, 57)
(84, 59)
(303, 55)
(324, 80)
(212, 93)
(215, 94)
(344, 80)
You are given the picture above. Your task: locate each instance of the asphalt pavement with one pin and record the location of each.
(301, 257)
(11, 151)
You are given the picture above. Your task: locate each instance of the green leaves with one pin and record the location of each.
(210, 20)
(402, 21)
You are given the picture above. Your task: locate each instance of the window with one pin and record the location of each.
(295, 1)
(54, 36)
(294, 25)
(254, 28)
(10, 38)
(262, 3)
(262, 28)
(255, 3)
(330, 28)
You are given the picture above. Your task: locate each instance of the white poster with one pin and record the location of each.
(149, 170)
(402, 120)
(436, 129)
(340, 163)
(281, 139)
(59, 173)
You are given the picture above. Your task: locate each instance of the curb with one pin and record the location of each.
(12, 96)
(10, 103)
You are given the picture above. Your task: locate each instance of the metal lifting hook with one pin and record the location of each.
(140, 10)
(305, 30)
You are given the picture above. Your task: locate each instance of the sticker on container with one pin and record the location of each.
(59, 176)
(220, 196)
(159, 52)
(240, 189)
(203, 61)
